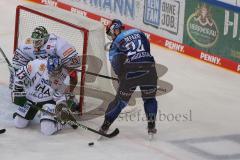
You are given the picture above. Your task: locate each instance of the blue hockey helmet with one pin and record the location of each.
(54, 65)
(116, 24)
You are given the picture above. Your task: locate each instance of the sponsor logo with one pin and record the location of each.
(238, 68)
(210, 58)
(170, 16)
(78, 11)
(23, 109)
(202, 28)
(27, 48)
(42, 67)
(50, 2)
(152, 12)
(174, 46)
(125, 8)
(231, 24)
(162, 14)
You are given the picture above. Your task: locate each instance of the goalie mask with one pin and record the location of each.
(39, 36)
(54, 65)
(114, 28)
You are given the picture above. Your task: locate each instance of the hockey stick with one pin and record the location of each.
(99, 75)
(110, 135)
(75, 124)
(5, 57)
(79, 70)
(2, 131)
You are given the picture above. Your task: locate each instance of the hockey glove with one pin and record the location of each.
(72, 102)
(63, 113)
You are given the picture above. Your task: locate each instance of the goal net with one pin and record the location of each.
(86, 35)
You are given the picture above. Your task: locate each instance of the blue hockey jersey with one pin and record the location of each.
(134, 45)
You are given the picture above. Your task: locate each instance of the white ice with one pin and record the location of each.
(211, 94)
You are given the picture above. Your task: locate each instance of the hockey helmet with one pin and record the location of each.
(114, 25)
(54, 65)
(39, 36)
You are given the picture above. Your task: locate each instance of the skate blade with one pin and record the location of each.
(150, 136)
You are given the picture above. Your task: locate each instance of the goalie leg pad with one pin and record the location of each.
(49, 125)
(26, 111)
(19, 98)
(20, 122)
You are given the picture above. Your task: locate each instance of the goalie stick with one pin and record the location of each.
(2, 131)
(5, 57)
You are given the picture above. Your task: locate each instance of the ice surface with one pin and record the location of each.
(209, 93)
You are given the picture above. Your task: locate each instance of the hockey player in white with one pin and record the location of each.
(40, 46)
(46, 90)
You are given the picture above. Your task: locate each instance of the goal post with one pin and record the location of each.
(85, 34)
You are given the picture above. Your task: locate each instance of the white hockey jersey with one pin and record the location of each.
(43, 86)
(54, 46)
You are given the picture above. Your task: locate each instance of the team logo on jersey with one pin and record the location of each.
(201, 27)
(28, 41)
(42, 67)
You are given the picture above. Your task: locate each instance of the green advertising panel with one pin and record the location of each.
(212, 29)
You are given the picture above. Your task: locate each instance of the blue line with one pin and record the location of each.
(223, 5)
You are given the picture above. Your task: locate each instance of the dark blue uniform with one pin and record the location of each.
(134, 45)
(131, 60)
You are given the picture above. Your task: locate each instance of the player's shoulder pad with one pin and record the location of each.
(58, 39)
(26, 45)
(126, 33)
(52, 37)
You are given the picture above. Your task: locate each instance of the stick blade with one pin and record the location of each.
(2, 131)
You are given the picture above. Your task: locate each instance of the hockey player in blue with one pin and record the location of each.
(132, 61)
